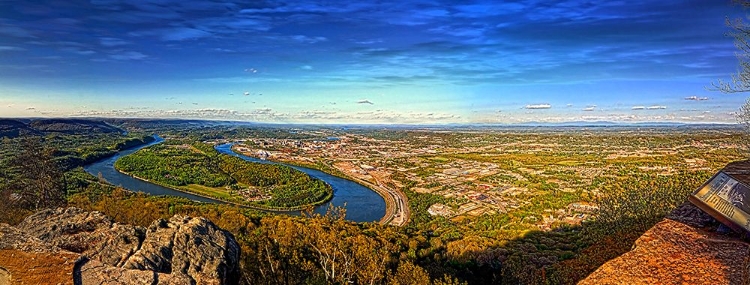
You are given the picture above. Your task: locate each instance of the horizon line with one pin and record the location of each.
(526, 123)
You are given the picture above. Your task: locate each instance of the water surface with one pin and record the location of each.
(362, 204)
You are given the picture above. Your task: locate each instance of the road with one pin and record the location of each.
(397, 210)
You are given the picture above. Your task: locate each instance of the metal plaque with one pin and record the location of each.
(725, 198)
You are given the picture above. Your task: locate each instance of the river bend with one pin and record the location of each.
(362, 204)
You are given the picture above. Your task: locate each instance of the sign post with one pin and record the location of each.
(726, 196)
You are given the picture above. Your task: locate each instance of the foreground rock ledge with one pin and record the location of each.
(682, 249)
(72, 246)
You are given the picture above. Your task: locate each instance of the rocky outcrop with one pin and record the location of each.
(91, 234)
(27, 260)
(190, 246)
(182, 250)
(688, 247)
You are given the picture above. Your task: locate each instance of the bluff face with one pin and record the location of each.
(72, 246)
(687, 247)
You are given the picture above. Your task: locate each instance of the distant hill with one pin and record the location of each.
(15, 128)
(610, 124)
(73, 126)
(145, 124)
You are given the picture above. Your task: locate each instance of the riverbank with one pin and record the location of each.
(397, 211)
(218, 194)
(391, 200)
(363, 204)
(219, 200)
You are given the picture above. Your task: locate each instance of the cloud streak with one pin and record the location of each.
(538, 106)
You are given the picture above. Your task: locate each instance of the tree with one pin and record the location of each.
(741, 80)
(42, 183)
(743, 116)
(408, 273)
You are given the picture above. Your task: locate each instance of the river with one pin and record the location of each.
(362, 204)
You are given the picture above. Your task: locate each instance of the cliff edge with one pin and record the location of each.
(687, 247)
(72, 246)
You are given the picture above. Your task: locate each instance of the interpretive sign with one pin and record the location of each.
(726, 196)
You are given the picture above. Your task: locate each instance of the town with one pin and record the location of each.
(553, 178)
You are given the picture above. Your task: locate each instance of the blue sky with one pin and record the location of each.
(368, 62)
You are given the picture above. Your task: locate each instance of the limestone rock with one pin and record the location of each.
(94, 272)
(27, 260)
(191, 246)
(89, 248)
(682, 249)
(89, 233)
(693, 216)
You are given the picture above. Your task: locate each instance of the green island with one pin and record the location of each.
(199, 169)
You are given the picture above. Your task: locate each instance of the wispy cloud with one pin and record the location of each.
(11, 48)
(128, 55)
(181, 34)
(537, 106)
(652, 107)
(112, 42)
(15, 31)
(308, 39)
(270, 115)
(78, 51)
(696, 98)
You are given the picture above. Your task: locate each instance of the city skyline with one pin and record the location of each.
(416, 62)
